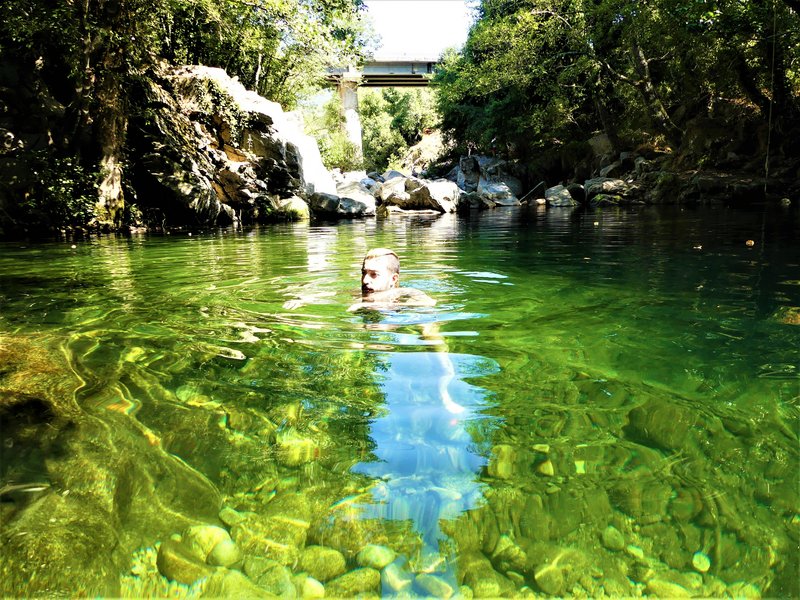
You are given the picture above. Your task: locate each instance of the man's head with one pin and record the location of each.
(380, 271)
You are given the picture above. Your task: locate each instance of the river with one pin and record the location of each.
(601, 402)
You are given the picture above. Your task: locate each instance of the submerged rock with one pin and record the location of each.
(434, 586)
(178, 562)
(375, 556)
(322, 563)
(226, 583)
(360, 581)
(613, 539)
(270, 575)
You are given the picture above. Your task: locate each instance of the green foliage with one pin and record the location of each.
(537, 73)
(392, 120)
(64, 193)
(325, 123)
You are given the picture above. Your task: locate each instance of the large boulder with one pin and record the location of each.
(357, 192)
(559, 196)
(498, 192)
(331, 206)
(468, 173)
(440, 195)
(607, 186)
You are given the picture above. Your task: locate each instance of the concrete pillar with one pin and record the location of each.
(348, 92)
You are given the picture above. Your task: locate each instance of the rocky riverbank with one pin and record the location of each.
(202, 151)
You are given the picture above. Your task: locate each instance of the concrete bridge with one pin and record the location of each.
(389, 71)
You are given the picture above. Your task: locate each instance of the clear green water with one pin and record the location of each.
(634, 369)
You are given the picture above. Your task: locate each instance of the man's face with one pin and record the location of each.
(376, 276)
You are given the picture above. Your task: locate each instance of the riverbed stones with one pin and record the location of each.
(508, 556)
(662, 588)
(359, 581)
(375, 556)
(322, 563)
(230, 516)
(661, 424)
(275, 536)
(501, 463)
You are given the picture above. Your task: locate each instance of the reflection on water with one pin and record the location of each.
(425, 456)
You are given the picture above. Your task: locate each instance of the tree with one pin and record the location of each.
(537, 73)
(88, 53)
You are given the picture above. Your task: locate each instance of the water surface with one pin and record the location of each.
(602, 402)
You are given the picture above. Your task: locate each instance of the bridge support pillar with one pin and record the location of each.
(348, 92)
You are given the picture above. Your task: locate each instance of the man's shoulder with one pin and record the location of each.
(401, 296)
(412, 297)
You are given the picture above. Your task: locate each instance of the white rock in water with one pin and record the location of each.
(701, 562)
(224, 554)
(434, 586)
(201, 539)
(396, 579)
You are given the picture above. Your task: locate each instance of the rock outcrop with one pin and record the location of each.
(213, 153)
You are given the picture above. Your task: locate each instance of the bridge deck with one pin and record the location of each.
(388, 73)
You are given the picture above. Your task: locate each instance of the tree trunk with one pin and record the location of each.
(645, 86)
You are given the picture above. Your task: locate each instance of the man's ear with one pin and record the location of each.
(395, 279)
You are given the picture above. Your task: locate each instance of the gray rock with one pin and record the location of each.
(605, 185)
(615, 169)
(441, 195)
(389, 188)
(330, 205)
(358, 192)
(468, 173)
(390, 174)
(413, 183)
(294, 208)
(498, 192)
(559, 196)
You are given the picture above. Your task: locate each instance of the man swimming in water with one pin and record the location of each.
(380, 283)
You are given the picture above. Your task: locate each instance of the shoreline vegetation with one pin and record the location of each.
(105, 128)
